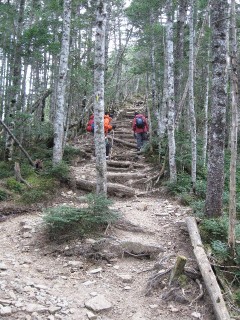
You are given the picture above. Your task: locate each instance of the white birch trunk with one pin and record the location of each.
(191, 97)
(171, 106)
(61, 88)
(234, 127)
(162, 119)
(99, 68)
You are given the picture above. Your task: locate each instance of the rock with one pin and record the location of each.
(196, 315)
(5, 311)
(126, 278)
(3, 266)
(88, 283)
(75, 264)
(34, 307)
(127, 288)
(95, 270)
(98, 303)
(91, 315)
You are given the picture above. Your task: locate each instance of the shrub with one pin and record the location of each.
(42, 189)
(215, 229)
(60, 171)
(14, 185)
(6, 170)
(220, 249)
(3, 195)
(70, 153)
(71, 222)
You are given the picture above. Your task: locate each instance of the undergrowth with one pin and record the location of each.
(69, 222)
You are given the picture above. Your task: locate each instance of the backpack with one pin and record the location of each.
(140, 123)
(92, 127)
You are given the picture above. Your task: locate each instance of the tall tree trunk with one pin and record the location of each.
(170, 100)
(215, 177)
(191, 97)
(62, 81)
(179, 49)
(206, 103)
(234, 127)
(99, 68)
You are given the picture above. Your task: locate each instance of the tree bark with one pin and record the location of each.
(170, 101)
(191, 98)
(215, 176)
(61, 88)
(99, 72)
(208, 275)
(234, 128)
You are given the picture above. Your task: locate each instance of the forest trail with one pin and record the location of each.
(41, 280)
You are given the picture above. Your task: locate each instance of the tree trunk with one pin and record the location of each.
(62, 81)
(179, 49)
(99, 68)
(191, 97)
(171, 106)
(215, 177)
(234, 127)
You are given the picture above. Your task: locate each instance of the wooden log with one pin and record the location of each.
(124, 164)
(112, 188)
(128, 144)
(178, 268)
(208, 275)
(126, 175)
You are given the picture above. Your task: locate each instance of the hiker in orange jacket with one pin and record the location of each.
(107, 128)
(107, 123)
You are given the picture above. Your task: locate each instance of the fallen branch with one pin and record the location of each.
(208, 275)
(17, 142)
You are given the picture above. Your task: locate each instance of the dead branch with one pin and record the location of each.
(17, 142)
(18, 175)
(200, 294)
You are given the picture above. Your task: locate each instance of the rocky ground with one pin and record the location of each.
(126, 276)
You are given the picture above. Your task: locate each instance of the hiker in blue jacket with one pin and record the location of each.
(140, 129)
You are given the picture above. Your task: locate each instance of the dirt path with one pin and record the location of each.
(42, 280)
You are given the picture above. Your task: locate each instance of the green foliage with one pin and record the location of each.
(71, 221)
(33, 196)
(220, 249)
(3, 195)
(14, 185)
(59, 171)
(214, 229)
(181, 186)
(70, 153)
(6, 169)
(236, 297)
(42, 188)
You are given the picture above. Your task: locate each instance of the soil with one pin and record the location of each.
(40, 279)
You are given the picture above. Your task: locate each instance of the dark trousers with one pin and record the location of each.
(141, 139)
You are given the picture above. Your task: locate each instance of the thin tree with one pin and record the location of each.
(234, 127)
(191, 97)
(99, 72)
(170, 94)
(61, 88)
(215, 176)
